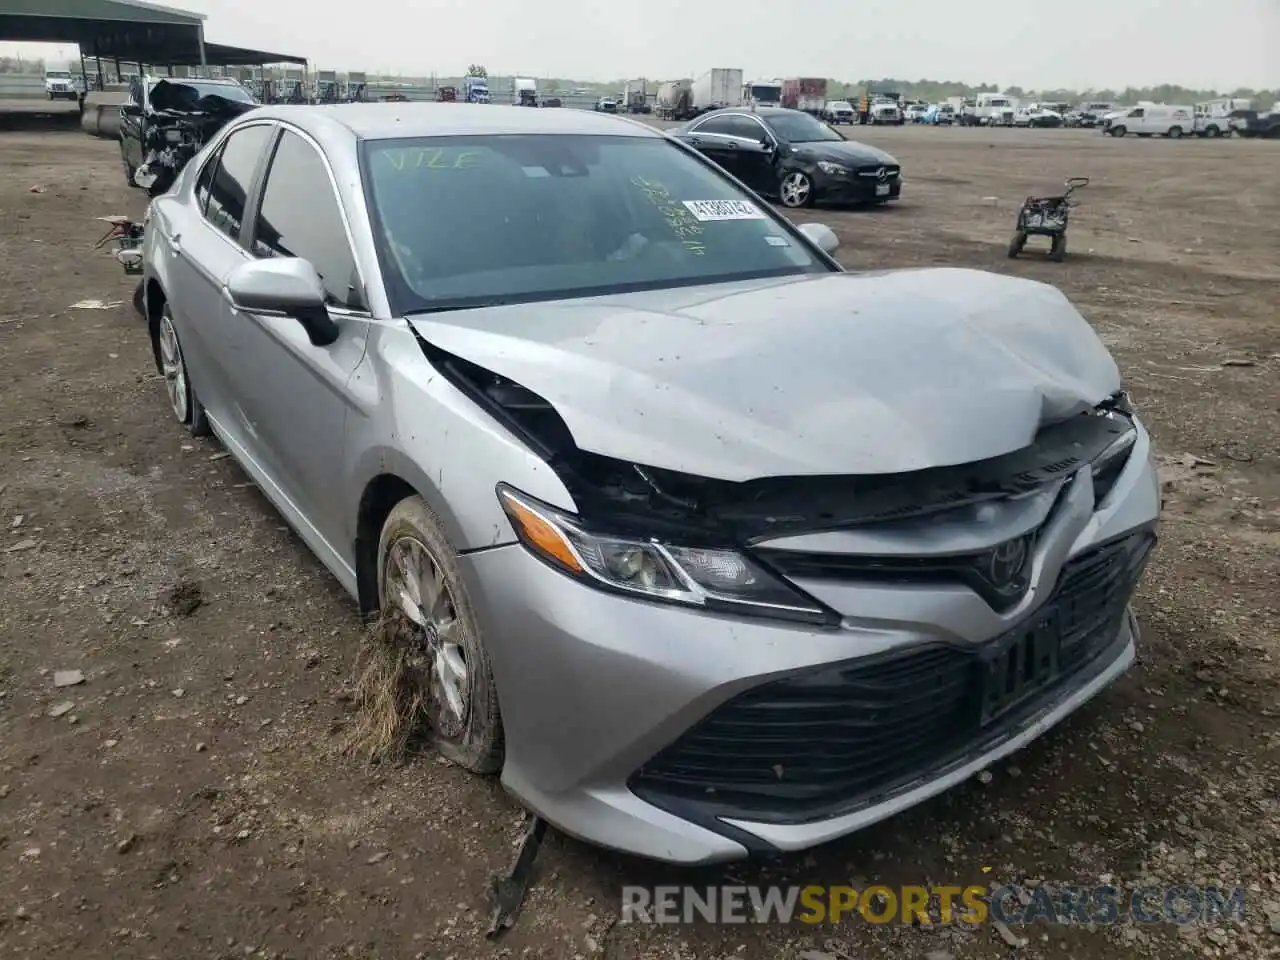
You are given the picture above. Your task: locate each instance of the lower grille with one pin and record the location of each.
(829, 741)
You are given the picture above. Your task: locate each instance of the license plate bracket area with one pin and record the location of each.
(1019, 666)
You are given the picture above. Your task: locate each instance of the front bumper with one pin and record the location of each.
(597, 691)
(852, 188)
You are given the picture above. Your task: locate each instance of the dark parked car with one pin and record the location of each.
(793, 157)
(165, 121)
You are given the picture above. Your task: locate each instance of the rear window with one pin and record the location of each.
(463, 221)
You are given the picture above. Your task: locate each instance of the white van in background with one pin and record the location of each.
(1159, 119)
(1213, 117)
(61, 85)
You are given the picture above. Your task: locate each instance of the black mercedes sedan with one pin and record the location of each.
(793, 157)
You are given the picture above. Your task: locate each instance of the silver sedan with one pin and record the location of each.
(715, 548)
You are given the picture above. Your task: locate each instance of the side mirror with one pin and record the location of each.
(286, 286)
(131, 109)
(822, 236)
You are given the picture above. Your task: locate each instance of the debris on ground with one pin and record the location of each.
(184, 597)
(393, 676)
(1007, 935)
(67, 678)
(62, 709)
(21, 545)
(507, 892)
(95, 305)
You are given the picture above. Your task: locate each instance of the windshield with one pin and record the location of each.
(58, 74)
(766, 93)
(192, 91)
(465, 221)
(796, 127)
(841, 105)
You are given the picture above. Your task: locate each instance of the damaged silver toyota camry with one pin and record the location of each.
(715, 548)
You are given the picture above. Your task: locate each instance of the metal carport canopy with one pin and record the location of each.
(128, 30)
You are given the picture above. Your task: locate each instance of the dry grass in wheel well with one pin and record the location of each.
(393, 676)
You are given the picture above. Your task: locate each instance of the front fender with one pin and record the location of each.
(412, 423)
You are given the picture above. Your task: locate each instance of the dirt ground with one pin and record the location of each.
(191, 802)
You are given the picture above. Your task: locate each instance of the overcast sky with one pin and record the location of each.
(1219, 44)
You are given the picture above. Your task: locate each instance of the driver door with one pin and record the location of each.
(735, 143)
(293, 393)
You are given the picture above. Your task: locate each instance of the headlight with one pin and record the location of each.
(1111, 462)
(832, 169)
(712, 579)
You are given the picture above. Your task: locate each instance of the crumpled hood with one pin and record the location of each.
(831, 374)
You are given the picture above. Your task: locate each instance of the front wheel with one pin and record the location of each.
(418, 577)
(1017, 243)
(1175, 133)
(796, 190)
(1118, 131)
(1058, 252)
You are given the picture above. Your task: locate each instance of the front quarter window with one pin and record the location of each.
(465, 221)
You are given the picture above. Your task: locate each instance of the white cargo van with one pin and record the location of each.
(1159, 119)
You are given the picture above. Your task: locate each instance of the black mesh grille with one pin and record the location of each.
(831, 740)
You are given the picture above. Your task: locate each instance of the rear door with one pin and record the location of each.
(294, 393)
(203, 248)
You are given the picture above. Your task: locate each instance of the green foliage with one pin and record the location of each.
(477, 70)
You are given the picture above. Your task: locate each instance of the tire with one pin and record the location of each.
(1175, 133)
(1118, 131)
(183, 401)
(1016, 243)
(1212, 132)
(1058, 252)
(795, 190)
(413, 548)
(140, 299)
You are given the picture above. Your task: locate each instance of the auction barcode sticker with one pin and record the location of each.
(708, 210)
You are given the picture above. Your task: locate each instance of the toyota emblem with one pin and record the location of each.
(882, 174)
(1006, 563)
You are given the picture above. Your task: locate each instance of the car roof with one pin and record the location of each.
(386, 120)
(762, 112)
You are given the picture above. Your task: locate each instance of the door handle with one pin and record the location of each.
(175, 242)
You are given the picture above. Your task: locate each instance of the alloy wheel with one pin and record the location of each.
(174, 370)
(795, 190)
(415, 584)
